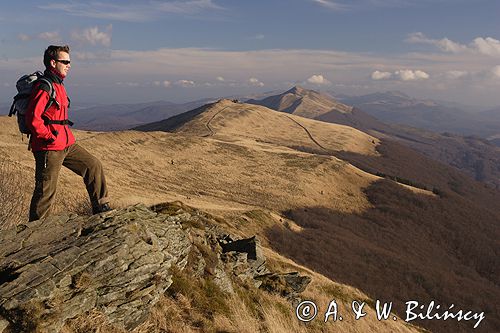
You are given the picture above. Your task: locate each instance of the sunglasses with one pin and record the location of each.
(66, 62)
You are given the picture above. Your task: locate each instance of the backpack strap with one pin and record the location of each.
(12, 109)
(52, 99)
(46, 83)
(58, 122)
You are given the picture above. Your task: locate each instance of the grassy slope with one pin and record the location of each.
(250, 159)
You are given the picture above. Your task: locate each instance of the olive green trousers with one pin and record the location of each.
(47, 167)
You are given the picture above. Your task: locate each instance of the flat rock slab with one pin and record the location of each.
(63, 266)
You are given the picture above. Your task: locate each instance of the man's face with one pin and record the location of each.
(59, 65)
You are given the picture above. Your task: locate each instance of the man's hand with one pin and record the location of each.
(51, 140)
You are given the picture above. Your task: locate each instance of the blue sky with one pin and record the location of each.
(179, 50)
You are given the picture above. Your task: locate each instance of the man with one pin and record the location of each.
(54, 145)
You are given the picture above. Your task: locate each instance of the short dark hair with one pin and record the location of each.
(51, 53)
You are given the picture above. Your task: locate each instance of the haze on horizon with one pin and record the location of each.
(182, 50)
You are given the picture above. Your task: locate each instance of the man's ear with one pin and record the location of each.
(53, 63)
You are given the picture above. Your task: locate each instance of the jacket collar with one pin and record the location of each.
(53, 75)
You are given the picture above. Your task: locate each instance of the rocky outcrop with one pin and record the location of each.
(56, 268)
(119, 263)
(288, 285)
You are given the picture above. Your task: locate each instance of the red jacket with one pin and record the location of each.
(49, 136)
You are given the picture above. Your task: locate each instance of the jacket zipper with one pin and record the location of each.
(65, 126)
(65, 112)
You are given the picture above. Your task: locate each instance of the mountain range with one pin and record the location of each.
(302, 102)
(402, 246)
(123, 116)
(478, 157)
(375, 113)
(358, 209)
(395, 107)
(391, 107)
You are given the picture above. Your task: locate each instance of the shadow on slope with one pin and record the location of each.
(407, 247)
(398, 160)
(478, 157)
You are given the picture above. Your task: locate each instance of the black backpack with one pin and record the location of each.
(24, 87)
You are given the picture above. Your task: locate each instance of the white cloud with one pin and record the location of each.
(318, 79)
(342, 5)
(421, 75)
(448, 45)
(402, 75)
(274, 66)
(268, 66)
(454, 75)
(487, 46)
(255, 82)
(132, 12)
(444, 44)
(259, 36)
(496, 71)
(93, 36)
(377, 75)
(165, 83)
(410, 75)
(102, 55)
(220, 78)
(333, 5)
(185, 83)
(189, 7)
(51, 36)
(24, 37)
(128, 84)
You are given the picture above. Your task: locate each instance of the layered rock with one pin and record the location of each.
(56, 268)
(119, 263)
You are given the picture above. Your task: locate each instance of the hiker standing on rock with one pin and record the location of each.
(52, 142)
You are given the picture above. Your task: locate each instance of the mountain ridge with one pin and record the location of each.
(301, 102)
(458, 203)
(312, 190)
(476, 156)
(401, 109)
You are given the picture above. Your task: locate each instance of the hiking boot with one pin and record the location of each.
(101, 208)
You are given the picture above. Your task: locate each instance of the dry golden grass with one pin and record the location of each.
(184, 310)
(257, 158)
(205, 172)
(16, 188)
(13, 194)
(232, 122)
(255, 163)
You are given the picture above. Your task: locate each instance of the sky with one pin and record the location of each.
(183, 50)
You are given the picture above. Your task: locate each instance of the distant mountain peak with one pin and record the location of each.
(298, 90)
(303, 102)
(397, 93)
(223, 101)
